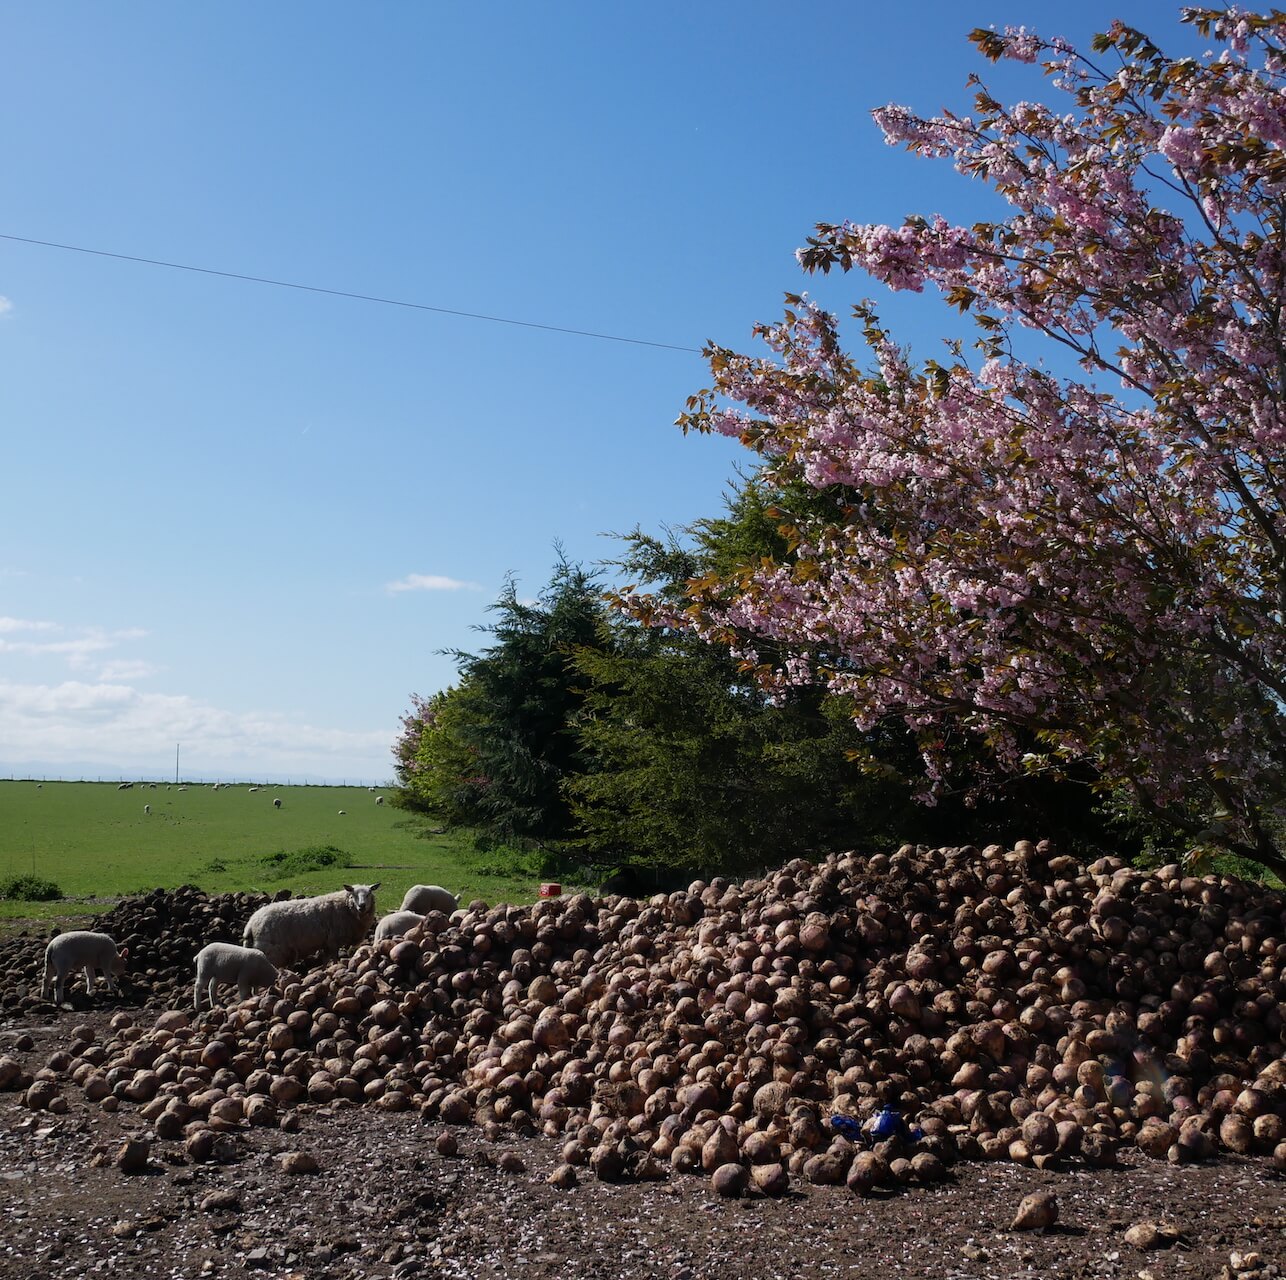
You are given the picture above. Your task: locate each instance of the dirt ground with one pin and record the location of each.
(384, 1203)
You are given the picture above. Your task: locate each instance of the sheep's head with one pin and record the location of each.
(118, 965)
(362, 896)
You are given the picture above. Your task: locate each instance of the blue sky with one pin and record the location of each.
(245, 519)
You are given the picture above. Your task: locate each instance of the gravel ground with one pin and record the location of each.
(384, 1203)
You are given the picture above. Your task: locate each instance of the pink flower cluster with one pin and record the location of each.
(1063, 568)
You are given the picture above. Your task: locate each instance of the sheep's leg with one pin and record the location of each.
(90, 982)
(60, 985)
(47, 982)
(244, 988)
(196, 994)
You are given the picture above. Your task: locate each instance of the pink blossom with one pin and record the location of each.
(1015, 553)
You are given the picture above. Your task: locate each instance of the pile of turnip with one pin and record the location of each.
(1011, 1003)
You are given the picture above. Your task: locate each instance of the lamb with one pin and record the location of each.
(379, 799)
(226, 962)
(147, 808)
(430, 897)
(81, 949)
(288, 931)
(276, 802)
(396, 923)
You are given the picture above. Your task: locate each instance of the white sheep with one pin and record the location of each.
(81, 949)
(430, 897)
(227, 962)
(147, 808)
(276, 802)
(396, 923)
(298, 927)
(342, 812)
(379, 799)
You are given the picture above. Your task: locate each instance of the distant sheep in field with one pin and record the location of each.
(147, 808)
(396, 923)
(226, 962)
(276, 802)
(379, 799)
(298, 927)
(125, 786)
(424, 898)
(81, 949)
(343, 813)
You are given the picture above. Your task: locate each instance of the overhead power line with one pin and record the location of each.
(344, 293)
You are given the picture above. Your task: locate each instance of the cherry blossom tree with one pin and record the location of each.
(1067, 557)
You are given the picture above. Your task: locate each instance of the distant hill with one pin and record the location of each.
(98, 771)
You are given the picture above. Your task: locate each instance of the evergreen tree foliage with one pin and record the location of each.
(494, 751)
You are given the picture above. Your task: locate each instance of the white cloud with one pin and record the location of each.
(5, 305)
(8, 625)
(78, 648)
(112, 722)
(126, 669)
(97, 713)
(430, 582)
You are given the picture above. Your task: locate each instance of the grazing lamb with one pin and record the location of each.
(276, 802)
(430, 897)
(226, 962)
(147, 808)
(396, 923)
(379, 799)
(81, 949)
(288, 931)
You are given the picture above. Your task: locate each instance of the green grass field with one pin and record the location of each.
(97, 844)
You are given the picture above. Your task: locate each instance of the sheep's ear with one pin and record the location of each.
(124, 952)
(375, 886)
(348, 888)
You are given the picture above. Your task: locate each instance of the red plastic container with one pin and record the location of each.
(552, 889)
